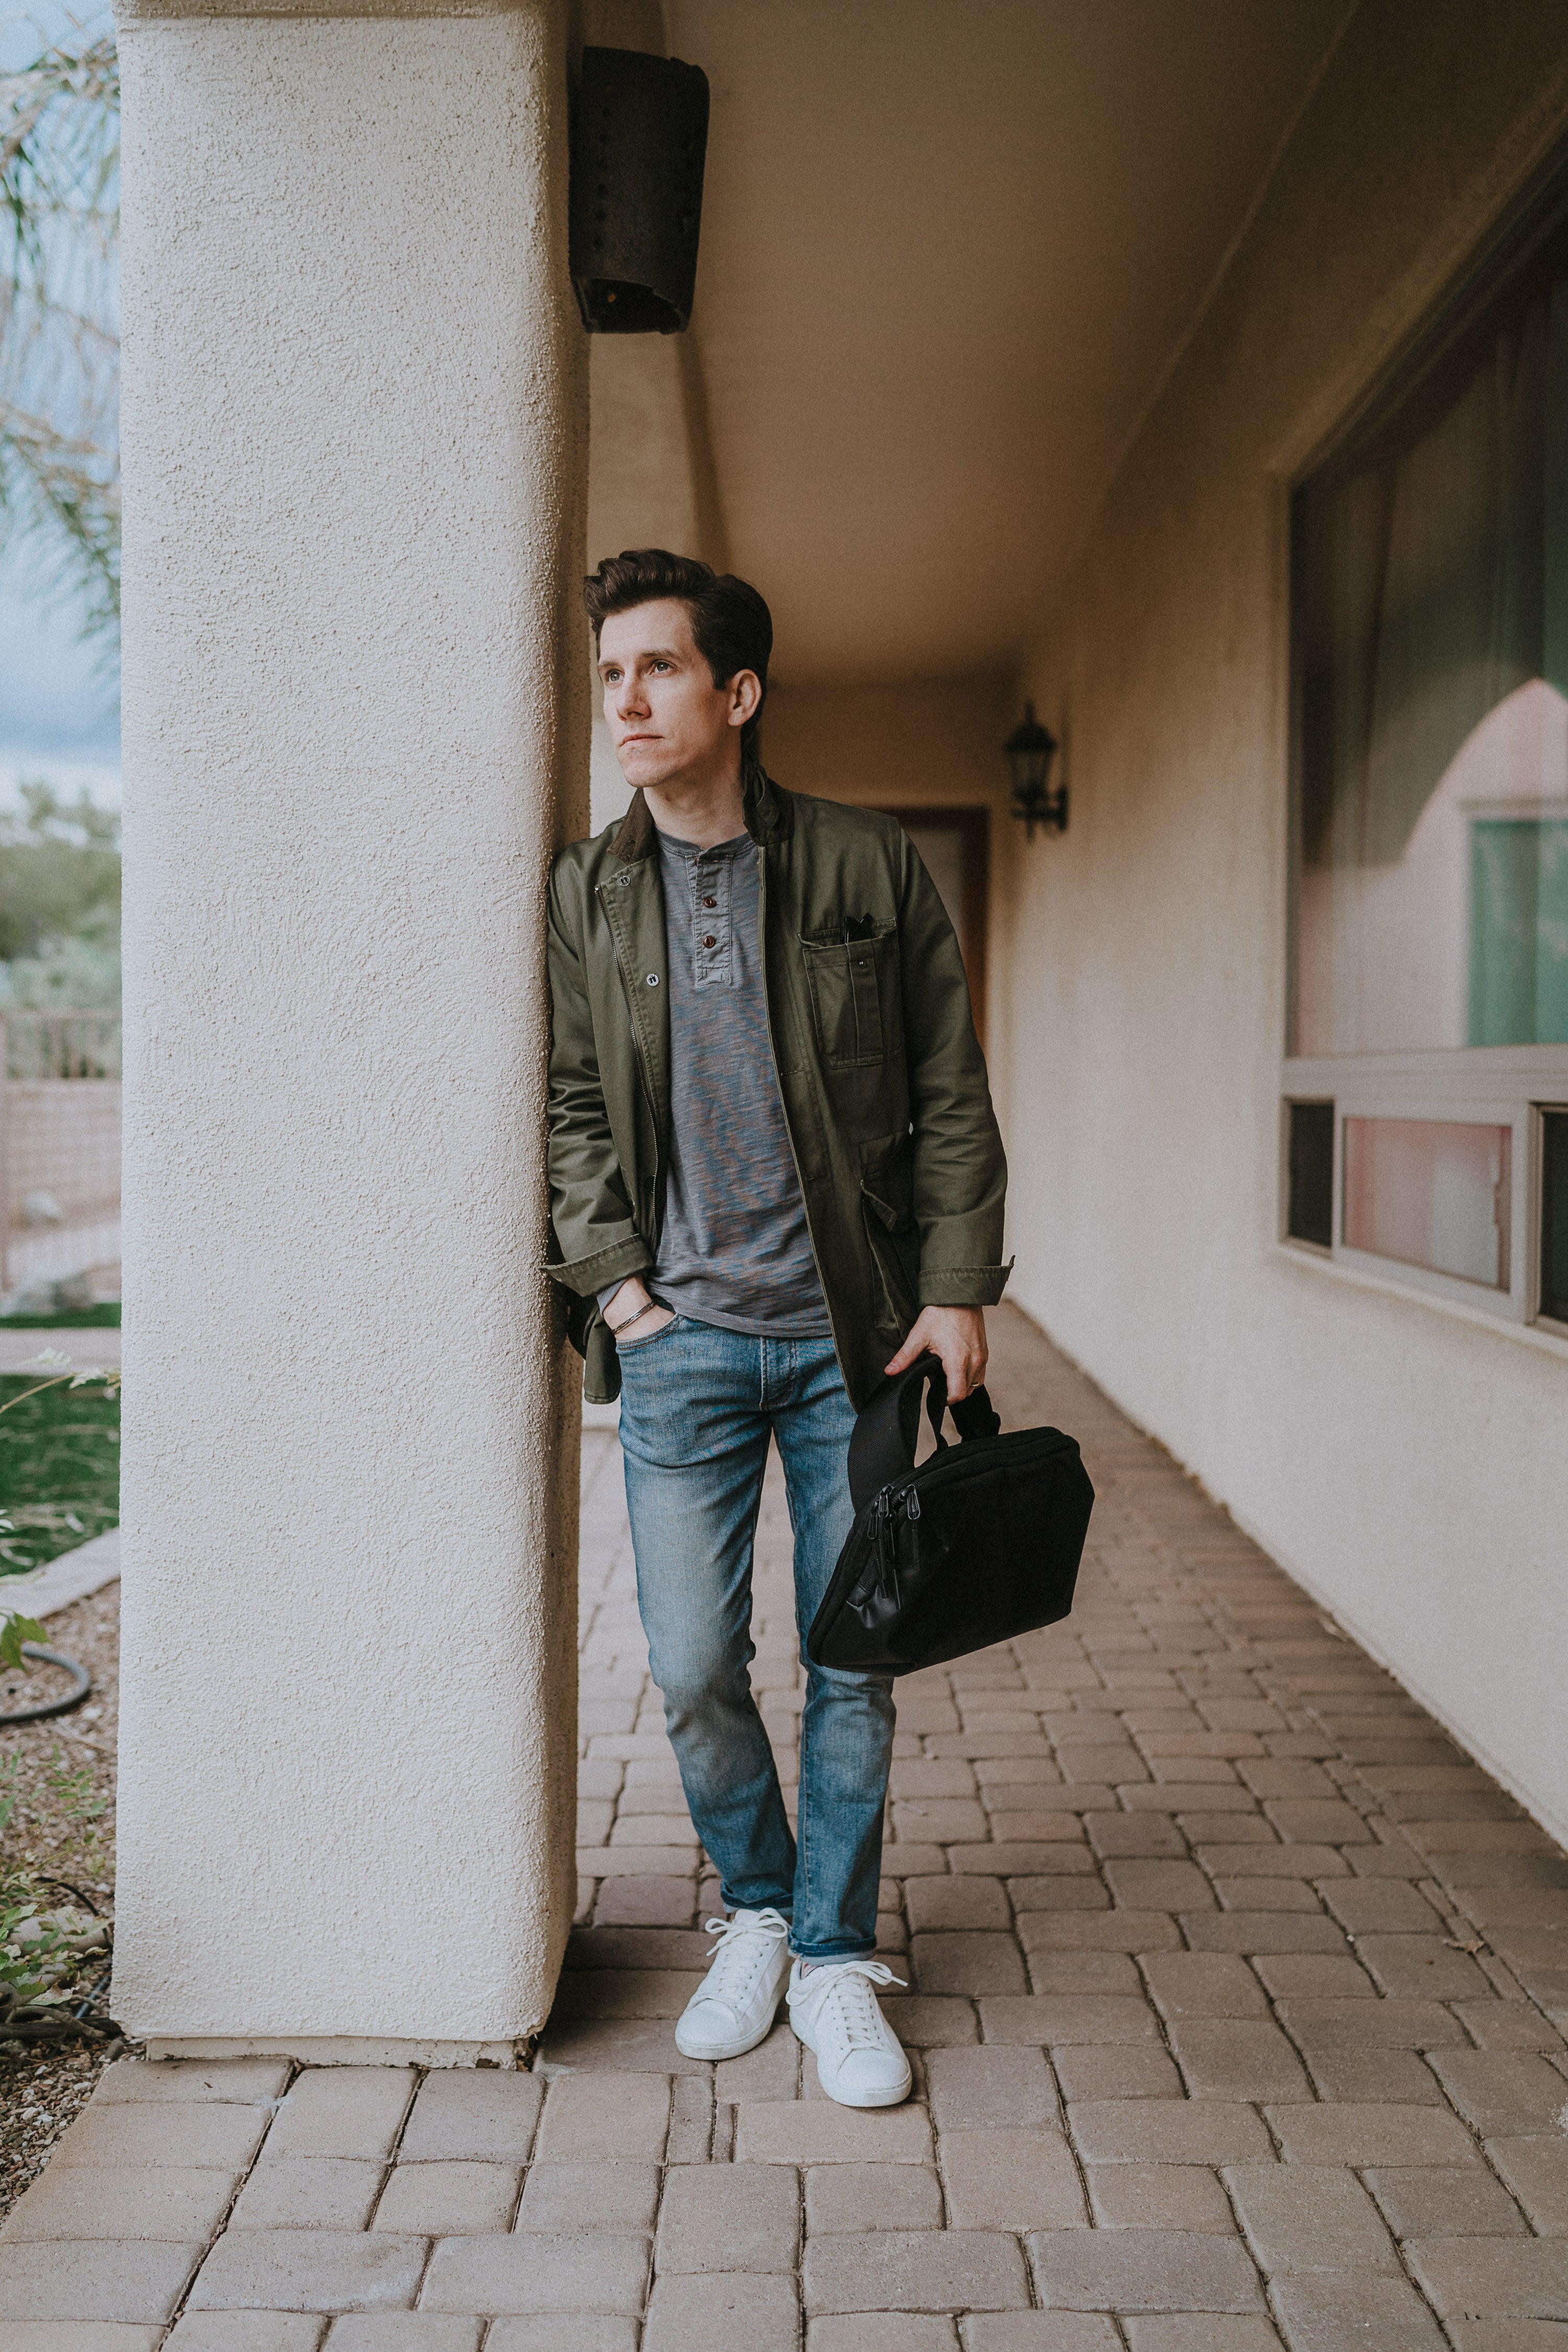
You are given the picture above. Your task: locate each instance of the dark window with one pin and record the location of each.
(1431, 620)
(1554, 1216)
(1310, 1214)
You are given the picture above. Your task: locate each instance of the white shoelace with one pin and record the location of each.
(849, 1993)
(743, 1949)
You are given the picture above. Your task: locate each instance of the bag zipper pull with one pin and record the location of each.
(912, 1503)
(887, 1546)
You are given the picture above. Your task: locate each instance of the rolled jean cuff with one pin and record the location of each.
(826, 1959)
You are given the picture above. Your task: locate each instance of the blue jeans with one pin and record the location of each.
(697, 1405)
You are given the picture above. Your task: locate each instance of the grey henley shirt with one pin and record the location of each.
(735, 1250)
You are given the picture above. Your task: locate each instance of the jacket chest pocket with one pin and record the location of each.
(851, 985)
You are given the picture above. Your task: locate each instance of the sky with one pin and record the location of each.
(60, 698)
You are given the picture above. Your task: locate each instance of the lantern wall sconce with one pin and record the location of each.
(1029, 751)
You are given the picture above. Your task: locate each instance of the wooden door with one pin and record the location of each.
(954, 844)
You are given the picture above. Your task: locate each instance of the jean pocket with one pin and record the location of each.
(633, 1347)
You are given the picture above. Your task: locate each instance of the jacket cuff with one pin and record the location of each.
(588, 1275)
(963, 1285)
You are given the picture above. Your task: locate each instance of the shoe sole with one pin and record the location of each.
(719, 2053)
(879, 2099)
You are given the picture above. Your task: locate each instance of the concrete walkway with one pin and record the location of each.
(1233, 1996)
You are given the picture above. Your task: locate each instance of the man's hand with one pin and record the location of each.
(956, 1335)
(631, 1304)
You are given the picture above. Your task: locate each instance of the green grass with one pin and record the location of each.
(102, 1318)
(59, 1469)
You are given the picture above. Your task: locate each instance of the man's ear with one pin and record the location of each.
(745, 693)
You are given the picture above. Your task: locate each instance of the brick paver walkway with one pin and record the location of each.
(1232, 1994)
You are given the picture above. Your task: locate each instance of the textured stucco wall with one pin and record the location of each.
(355, 725)
(1407, 1464)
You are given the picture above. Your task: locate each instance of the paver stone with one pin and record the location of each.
(78, 2336)
(535, 2271)
(563, 2332)
(342, 2111)
(1423, 2200)
(589, 2116)
(966, 1964)
(308, 2192)
(728, 2218)
(105, 2278)
(1159, 2197)
(1066, 2019)
(1211, 2331)
(1116, 2071)
(472, 2115)
(1354, 2313)
(1203, 1984)
(889, 2331)
(1143, 2270)
(1010, 2179)
(1345, 2132)
(1536, 2169)
(247, 2082)
(973, 2089)
(1237, 2058)
(309, 2270)
(1501, 2279)
(621, 2199)
(433, 2200)
(84, 2200)
(1039, 2331)
(405, 2331)
(817, 2131)
(1166, 2131)
(251, 2331)
(1309, 2217)
(718, 2312)
(924, 2269)
(137, 2134)
(844, 2198)
(1502, 2092)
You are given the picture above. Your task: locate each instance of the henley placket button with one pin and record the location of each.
(710, 942)
(710, 902)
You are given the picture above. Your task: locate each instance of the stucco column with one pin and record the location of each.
(355, 727)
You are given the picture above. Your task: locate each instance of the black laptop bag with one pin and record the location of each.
(981, 1543)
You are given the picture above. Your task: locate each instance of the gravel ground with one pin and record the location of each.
(41, 2092)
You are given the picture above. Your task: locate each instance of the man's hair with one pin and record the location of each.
(730, 625)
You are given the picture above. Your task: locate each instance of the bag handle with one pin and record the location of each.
(886, 1433)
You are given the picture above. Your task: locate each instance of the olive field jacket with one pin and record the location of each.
(881, 1076)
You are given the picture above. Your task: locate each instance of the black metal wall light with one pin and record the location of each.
(1029, 751)
(639, 140)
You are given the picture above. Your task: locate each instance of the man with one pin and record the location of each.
(776, 1174)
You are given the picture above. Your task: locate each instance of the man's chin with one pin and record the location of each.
(649, 773)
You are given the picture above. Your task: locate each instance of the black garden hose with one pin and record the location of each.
(80, 1687)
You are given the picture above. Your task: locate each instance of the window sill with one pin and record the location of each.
(1546, 1338)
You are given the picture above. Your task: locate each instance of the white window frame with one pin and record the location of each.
(1493, 1085)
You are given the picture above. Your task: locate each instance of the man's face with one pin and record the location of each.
(665, 714)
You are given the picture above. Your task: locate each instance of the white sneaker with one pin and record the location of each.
(835, 2012)
(734, 2006)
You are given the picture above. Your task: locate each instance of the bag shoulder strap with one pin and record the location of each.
(886, 1434)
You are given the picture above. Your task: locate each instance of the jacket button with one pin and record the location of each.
(653, 980)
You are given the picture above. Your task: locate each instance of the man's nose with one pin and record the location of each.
(630, 699)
